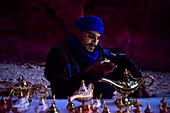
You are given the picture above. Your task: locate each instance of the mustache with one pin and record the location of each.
(91, 44)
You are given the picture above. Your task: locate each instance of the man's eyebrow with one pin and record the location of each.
(90, 32)
(94, 34)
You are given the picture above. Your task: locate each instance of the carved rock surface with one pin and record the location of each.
(139, 28)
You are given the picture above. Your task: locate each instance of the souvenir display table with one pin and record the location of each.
(22, 98)
(62, 103)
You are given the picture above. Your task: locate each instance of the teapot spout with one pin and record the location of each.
(81, 97)
(112, 83)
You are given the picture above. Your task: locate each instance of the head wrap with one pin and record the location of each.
(90, 23)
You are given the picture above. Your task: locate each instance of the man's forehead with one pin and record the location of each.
(94, 32)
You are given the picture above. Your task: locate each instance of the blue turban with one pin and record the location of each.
(90, 23)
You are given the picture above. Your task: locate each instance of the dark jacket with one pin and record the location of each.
(64, 71)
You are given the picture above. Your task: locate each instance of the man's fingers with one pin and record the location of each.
(109, 70)
(115, 66)
(105, 60)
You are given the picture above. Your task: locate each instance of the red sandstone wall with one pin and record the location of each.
(139, 27)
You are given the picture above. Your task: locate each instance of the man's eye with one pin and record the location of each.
(91, 36)
(98, 38)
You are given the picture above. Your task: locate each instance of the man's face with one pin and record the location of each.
(90, 39)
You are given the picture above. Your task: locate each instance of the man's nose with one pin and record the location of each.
(95, 41)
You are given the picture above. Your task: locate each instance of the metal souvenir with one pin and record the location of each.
(128, 84)
(83, 95)
(22, 93)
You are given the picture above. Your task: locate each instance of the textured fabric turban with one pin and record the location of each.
(90, 23)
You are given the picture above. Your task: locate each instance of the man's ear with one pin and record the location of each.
(78, 33)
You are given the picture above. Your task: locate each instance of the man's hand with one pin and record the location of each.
(101, 67)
